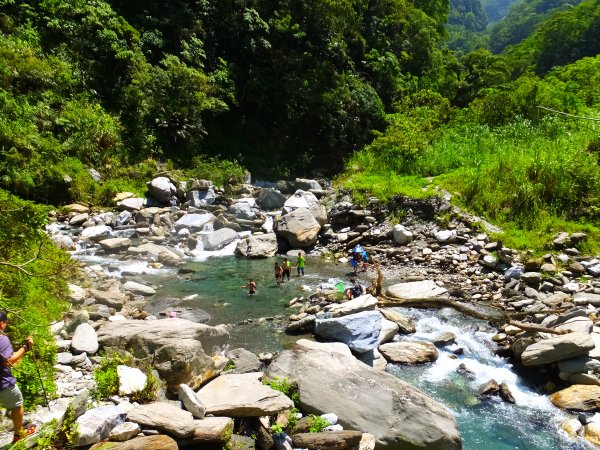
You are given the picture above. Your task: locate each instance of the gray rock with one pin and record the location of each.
(244, 361)
(243, 210)
(191, 401)
(398, 415)
(78, 219)
(445, 236)
(401, 235)
(162, 189)
(580, 364)
(85, 339)
(531, 277)
(96, 424)
(177, 347)
(576, 324)
(79, 317)
(218, 239)
(138, 288)
(113, 298)
(200, 198)
(114, 245)
(329, 347)
(124, 431)
(131, 204)
(405, 323)
(299, 228)
(194, 222)
(407, 352)
(97, 233)
(388, 330)
(426, 289)
(157, 252)
(164, 417)
(586, 298)
(361, 303)
(269, 198)
(258, 246)
(242, 395)
(513, 272)
(359, 331)
(557, 348)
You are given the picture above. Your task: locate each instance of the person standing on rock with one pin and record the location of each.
(286, 266)
(300, 264)
(11, 397)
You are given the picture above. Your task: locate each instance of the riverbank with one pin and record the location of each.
(452, 263)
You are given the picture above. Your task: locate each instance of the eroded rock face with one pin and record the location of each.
(177, 347)
(366, 399)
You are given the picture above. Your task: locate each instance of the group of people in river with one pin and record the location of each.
(359, 260)
(282, 271)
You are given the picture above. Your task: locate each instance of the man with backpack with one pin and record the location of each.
(10, 394)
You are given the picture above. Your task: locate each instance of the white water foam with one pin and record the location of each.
(199, 254)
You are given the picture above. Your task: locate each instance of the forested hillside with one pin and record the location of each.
(291, 88)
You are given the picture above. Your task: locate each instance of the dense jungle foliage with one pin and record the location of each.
(392, 96)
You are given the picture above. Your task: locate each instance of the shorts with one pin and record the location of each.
(11, 397)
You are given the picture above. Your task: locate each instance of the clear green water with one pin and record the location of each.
(489, 425)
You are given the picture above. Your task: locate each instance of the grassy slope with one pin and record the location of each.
(533, 181)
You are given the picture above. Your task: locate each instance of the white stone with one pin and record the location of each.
(131, 380)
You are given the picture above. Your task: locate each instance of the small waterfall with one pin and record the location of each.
(268, 225)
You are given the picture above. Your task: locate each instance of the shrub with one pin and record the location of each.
(316, 424)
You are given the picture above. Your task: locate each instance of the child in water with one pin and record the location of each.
(251, 287)
(278, 273)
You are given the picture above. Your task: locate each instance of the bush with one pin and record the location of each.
(316, 424)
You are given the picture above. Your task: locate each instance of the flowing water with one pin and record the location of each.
(213, 285)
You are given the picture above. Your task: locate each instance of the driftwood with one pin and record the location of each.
(477, 311)
(482, 312)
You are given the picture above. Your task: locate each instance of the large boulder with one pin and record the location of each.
(557, 348)
(269, 198)
(178, 347)
(194, 222)
(366, 399)
(361, 303)
(258, 246)
(299, 227)
(359, 331)
(164, 417)
(242, 395)
(405, 323)
(218, 239)
(409, 352)
(138, 288)
(580, 397)
(308, 200)
(162, 189)
(417, 290)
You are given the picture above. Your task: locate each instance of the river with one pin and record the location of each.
(212, 281)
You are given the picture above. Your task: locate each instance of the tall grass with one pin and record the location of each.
(540, 178)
